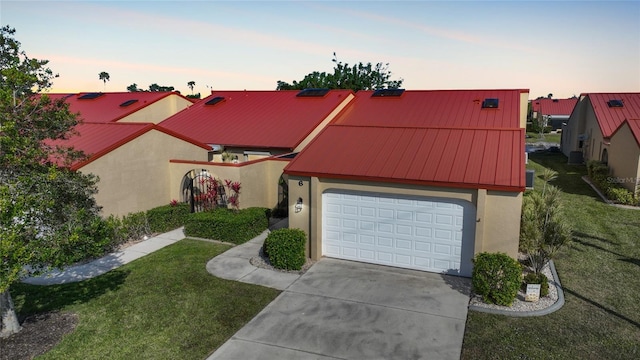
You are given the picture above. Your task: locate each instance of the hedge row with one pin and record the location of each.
(168, 217)
(599, 175)
(227, 225)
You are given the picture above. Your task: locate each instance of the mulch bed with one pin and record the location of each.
(39, 334)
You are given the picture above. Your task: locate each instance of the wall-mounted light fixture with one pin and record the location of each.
(298, 206)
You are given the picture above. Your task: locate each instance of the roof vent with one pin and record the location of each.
(89, 96)
(615, 103)
(215, 100)
(490, 103)
(128, 102)
(556, 100)
(387, 92)
(312, 93)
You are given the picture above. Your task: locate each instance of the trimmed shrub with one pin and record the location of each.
(599, 175)
(285, 248)
(496, 277)
(619, 195)
(168, 217)
(227, 225)
(539, 278)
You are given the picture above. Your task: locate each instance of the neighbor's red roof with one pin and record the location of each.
(554, 106)
(106, 108)
(448, 108)
(98, 139)
(438, 138)
(610, 118)
(260, 119)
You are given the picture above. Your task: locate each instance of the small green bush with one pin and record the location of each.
(227, 225)
(620, 195)
(285, 248)
(168, 217)
(496, 277)
(539, 278)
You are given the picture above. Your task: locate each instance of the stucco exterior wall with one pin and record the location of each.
(159, 110)
(135, 176)
(624, 158)
(259, 179)
(501, 228)
(524, 107)
(497, 213)
(575, 126)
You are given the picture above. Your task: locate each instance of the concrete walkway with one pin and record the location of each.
(109, 262)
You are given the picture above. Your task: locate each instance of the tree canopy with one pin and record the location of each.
(153, 87)
(357, 77)
(104, 76)
(46, 210)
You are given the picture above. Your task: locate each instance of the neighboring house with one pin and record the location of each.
(600, 128)
(132, 162)
(144, 107)
(125, 149)
(557, 110)
(415, 179)
(250, 134)
(624, 156)
(250, 125)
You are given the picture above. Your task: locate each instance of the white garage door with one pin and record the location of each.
(427, 234)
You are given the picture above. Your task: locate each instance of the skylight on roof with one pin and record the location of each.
(615, 103)
(312, 93)
(490, 103)
(387, 92)
(215, 100)
(128, 102)
(89, 96)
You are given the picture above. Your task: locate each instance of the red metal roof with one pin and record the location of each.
(98, 139)
(260, 119)
(610, 118)
(435, 108)
(438, 138)
(547, 106)
(106, 107)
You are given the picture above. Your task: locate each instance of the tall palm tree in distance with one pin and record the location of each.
(104, 76)
(191, 84)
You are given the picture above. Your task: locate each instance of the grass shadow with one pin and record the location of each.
(600, 306)
(33, 299)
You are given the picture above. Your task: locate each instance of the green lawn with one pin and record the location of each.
(163, 306)
(600, 274)
(535, 137)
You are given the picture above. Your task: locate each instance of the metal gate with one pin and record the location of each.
(202, 191)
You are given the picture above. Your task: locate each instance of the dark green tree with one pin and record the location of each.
(133, 88)
(46, 210)
(156, 87)
(357, 77)
(191, 84)
(104, 76)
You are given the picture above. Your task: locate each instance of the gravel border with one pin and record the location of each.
(520, 308)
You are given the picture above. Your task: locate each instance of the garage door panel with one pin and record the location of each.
(399, 231)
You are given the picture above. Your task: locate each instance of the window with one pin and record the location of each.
(605, 157)
(312, 93)
(490, 103)
(615, 103)
(89, 96)
(387, 93)
(128, 102)
(215, 100)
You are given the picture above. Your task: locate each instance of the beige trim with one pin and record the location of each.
(324, 123)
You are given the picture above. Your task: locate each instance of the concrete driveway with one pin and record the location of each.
(348, 310)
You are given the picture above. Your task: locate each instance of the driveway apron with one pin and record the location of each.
(349, 310)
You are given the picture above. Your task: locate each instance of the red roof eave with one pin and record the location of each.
(408, 181)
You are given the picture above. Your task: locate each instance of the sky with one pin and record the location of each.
(560, 47)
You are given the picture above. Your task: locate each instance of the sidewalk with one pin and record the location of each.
(109, 262)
